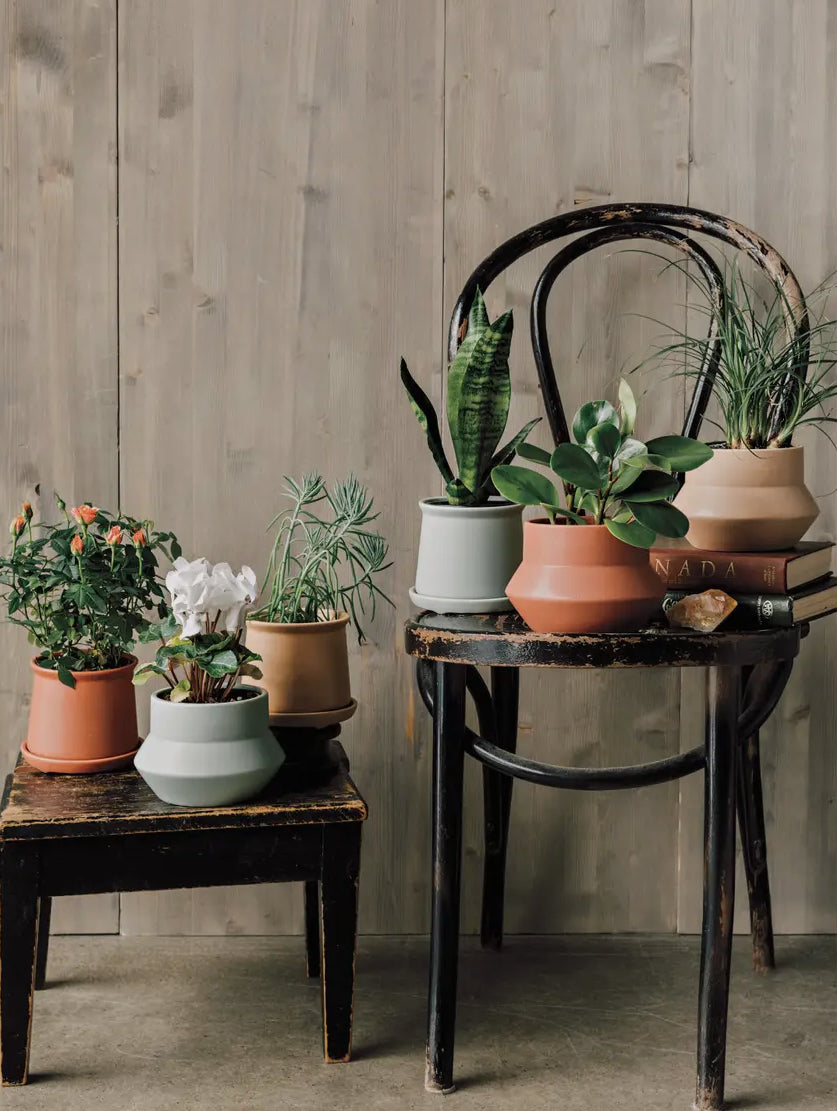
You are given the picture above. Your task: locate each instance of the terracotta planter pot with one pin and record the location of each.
(90, 728)
(305, 666)
(580, 579)
(748, 501)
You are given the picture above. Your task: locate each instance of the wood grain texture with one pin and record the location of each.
(551, 105)
(58, 328)
(767, 71)
(280, 237)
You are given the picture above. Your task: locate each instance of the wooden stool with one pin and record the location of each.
(80, 835)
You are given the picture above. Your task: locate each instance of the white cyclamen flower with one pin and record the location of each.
(200, 590)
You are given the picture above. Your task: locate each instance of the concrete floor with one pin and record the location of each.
(221, 1024)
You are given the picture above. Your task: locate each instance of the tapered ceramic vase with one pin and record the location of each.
(209, 754)
(581, 579)
(467, 554)
(744, 500)
(87, 728)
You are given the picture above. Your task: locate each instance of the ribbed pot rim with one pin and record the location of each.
(497, 507)
(88, 676)
(312, 627)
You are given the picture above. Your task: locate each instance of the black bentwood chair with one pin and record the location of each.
(747, 674)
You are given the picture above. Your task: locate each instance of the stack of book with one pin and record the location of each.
(771, 588)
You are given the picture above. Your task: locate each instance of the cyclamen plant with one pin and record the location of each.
(83, 588)
(201, 656)
(609, 477)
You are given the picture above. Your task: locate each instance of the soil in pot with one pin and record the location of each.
(304, 665)
(89, 728)
(581, 579)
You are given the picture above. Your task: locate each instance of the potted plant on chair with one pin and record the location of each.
(471, 539)
(585, 564)
(84, 589)
(209, 742)
(321, 576)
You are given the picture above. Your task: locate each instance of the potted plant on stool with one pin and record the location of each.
(209, 742)
(471, 539)
(321, 575)
(83, 588)
(585, 565)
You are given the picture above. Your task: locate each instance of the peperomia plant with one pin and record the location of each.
(83, 587)
(201, 656)
(478, 397)
(609, 477)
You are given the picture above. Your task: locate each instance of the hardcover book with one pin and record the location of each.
(685, 568)
(761, 611)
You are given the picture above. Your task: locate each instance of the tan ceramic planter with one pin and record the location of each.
(90, 728)
(305, 666)
(748, 501)
(580, 579)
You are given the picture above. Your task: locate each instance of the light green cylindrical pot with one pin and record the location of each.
(209, 754)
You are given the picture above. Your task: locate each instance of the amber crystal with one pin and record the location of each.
(702, 612)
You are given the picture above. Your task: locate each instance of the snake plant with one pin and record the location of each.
(478, 397)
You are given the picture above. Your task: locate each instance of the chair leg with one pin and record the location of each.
(312, 929)
(497, 796)
(18, 944)
(448, 769)
(723, 699)
(750, 806)
(338, 911)
(44, 917)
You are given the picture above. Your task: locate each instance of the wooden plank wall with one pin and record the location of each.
(302, 188)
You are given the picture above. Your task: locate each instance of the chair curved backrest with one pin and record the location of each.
(610, 223)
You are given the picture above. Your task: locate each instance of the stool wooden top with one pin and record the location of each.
(36, 805)
(504, 639)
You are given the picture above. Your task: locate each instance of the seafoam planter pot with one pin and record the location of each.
(467, 554)
(211, 754)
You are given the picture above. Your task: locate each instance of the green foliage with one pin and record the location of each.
(608, 477)
(323, 564)
(478, 397)
(84, 587)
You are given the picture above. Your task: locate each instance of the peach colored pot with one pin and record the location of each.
(580, 579)
(92, 727)
(305, 665)
(748, 501)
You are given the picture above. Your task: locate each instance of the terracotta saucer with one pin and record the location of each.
(77, 767)
(316, 720)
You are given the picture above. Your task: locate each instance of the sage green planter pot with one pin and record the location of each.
(209, 754)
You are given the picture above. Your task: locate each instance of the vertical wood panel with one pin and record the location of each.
(764, 134)
(58, 388)
(280, 234)
(551, 105)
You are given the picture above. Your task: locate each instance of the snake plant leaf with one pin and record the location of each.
(478, 315)
(484, 398)
(633, 533)
(516, 446)
(681, 452)
(525, 487)
(574, 465)
(649, 486)
(627, 405)
(428, 420)
(605, 438)
(662, 517)
(591, 414)
(478, 325)
(534, 454)
(459, 494)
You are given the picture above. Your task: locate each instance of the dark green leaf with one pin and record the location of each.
(534, 454)
(633, 533)
(605, 439)
(574, 465)
(662, 517)
(524, 487)
(591, 414)
(652, 486)
(426, 415)
(66, 676)
(681, 452)
(484, 397)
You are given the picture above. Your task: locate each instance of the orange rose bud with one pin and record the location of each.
(17, 526)
(114, 535)
(77, 544)
(139, 538)
(84, 514)
(27, 510)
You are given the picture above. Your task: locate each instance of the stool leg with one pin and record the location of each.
(723, 698)
(44, 916)
(312, 929)
(497, 796)
(448, 767)
(18, 942)
(338, 910)
(750, 806)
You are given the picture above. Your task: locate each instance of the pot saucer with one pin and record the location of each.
(317, 719)
(77, 767)
(459, 605)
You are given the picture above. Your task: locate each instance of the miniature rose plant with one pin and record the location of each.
(201, 656)
(609, 477)
(84, 588)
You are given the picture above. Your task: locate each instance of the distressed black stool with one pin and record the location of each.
(79, 835)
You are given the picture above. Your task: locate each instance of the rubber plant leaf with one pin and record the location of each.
(591, 414)
(660, 516)
(534, 454)
(505, 455)
(633, 533)
(627, 405)
(525, 487)
(682, 453)
(428, 420)
(574, 465)
(484, 400)
(650, 486)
